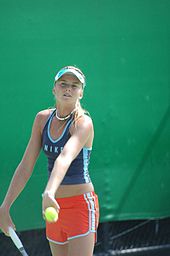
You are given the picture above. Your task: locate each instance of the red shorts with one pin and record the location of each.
(78, 216)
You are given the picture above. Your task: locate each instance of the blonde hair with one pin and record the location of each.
(79, 112)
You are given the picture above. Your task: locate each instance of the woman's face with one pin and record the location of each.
(68, 88)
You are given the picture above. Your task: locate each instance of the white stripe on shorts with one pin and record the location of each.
(91, 207)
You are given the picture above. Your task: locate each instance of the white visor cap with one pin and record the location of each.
(71, 71)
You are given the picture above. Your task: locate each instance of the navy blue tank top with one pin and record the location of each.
(78, 172)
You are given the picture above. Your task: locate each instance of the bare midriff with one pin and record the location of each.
(73, 190)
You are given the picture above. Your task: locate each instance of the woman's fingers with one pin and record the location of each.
(5, 221)
(49, 201)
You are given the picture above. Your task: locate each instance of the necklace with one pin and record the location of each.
(65, 117)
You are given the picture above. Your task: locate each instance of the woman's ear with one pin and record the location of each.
(81, 95)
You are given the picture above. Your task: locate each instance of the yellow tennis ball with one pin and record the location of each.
(51, 214)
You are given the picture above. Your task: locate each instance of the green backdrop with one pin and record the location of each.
(123, 47)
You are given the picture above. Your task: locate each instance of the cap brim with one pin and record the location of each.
(70, 71)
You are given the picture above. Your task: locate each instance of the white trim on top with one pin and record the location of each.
(61, 136)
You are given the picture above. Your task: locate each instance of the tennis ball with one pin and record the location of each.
(51, 214)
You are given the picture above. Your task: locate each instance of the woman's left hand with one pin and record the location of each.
(49, 201)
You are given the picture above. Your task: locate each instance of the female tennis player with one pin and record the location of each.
(65, 134)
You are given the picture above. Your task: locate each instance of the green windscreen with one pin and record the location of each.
(123, 47)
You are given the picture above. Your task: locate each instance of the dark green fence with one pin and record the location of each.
(124, 49)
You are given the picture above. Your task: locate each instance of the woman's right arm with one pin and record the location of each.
(21, 175)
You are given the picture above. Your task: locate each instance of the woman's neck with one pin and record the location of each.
(64, 112)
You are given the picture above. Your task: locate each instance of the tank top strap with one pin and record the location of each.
(68, 125)
(50, 117)
(52, 114)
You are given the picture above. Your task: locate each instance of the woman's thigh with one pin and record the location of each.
(59, 250)
(82, 246)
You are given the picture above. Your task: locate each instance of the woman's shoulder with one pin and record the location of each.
(42, 117)
(84, 122)
(44, 113)
(85, 119)
(84, 127)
